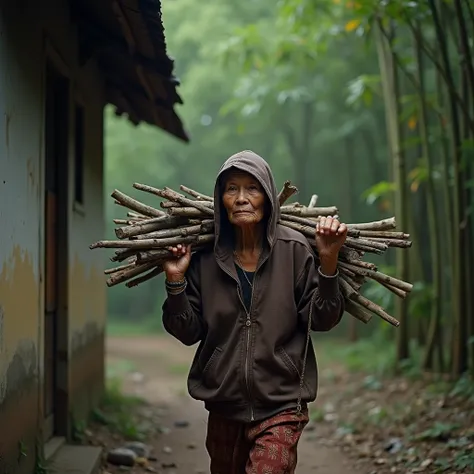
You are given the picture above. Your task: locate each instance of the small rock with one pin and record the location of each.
(393, 446)
(121, 457)
(150, 469)
(140, 449)
(137, 377)
(426, 463)
(330, 417)
(140, 461)
(181, 424)
(191, 446)
(167, 450)
(168, 465)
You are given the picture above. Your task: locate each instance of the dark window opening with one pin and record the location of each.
(79, 155)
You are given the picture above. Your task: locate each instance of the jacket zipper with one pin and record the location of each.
(248, 324)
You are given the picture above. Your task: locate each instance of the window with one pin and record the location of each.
(79, 155)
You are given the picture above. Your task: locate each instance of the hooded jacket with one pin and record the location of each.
(248, 364)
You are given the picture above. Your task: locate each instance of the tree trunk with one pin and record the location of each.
(391, 93)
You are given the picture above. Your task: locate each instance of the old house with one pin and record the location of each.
(61, 62)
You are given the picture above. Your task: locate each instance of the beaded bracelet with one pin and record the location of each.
(175, 284)
(176, 291)
(176, 287)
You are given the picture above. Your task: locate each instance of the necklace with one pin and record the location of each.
(239, 263)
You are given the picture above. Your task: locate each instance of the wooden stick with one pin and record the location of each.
(313, 200)
(148, 276)
(394, 290)
(378, 276)
(357, 311)
(119, 268)
(359, 263)
(402, 244)
(384, 224)
(174, 196)
(151, 243)
(307, 212)
(122, 254)
(135, 205)
(205, 228)
(375, 309)
(125, 275)
(286, 192)
(195, 194)
(163, 222)
(188, 212)
(366, 243)
(382, 234)
(169, 204)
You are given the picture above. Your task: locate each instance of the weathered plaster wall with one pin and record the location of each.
(20, 249)
(87, 289)
(29, 31)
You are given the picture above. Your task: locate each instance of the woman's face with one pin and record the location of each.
(243, 199)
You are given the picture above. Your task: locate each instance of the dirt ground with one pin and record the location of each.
(155, 368)
(361, 423)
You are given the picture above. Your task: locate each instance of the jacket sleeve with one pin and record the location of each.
(321, 294)
(182, 314)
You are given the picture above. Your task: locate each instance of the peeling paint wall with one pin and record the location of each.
(30, 32)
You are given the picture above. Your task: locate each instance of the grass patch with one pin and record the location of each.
(117, 327)
(178, 369)
(119, 368)
(119, 412)
(374, 355)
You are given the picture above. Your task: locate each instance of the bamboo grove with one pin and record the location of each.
(423, 89)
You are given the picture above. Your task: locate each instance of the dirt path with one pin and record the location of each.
(156, 368)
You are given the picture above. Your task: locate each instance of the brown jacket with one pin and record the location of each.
(247, 366)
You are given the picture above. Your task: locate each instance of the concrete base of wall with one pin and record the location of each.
(76, 459)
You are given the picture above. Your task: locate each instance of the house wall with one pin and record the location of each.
(30, 32)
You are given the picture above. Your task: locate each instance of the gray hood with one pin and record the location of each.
(255, 165)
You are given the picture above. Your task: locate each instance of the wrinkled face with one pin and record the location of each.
(243, 199)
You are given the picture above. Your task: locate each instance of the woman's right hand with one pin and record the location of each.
(176, 267)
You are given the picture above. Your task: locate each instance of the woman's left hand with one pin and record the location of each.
(330, 236)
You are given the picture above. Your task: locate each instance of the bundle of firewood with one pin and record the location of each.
(147, 233)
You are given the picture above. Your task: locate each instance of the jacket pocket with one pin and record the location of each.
(209, 375)
(288, 362)
(291, 366)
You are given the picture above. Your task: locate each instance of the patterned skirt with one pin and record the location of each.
(263, 447)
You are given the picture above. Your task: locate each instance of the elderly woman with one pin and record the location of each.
(250, 303)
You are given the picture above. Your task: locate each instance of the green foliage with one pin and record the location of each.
(116, 412)
(249, 84)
